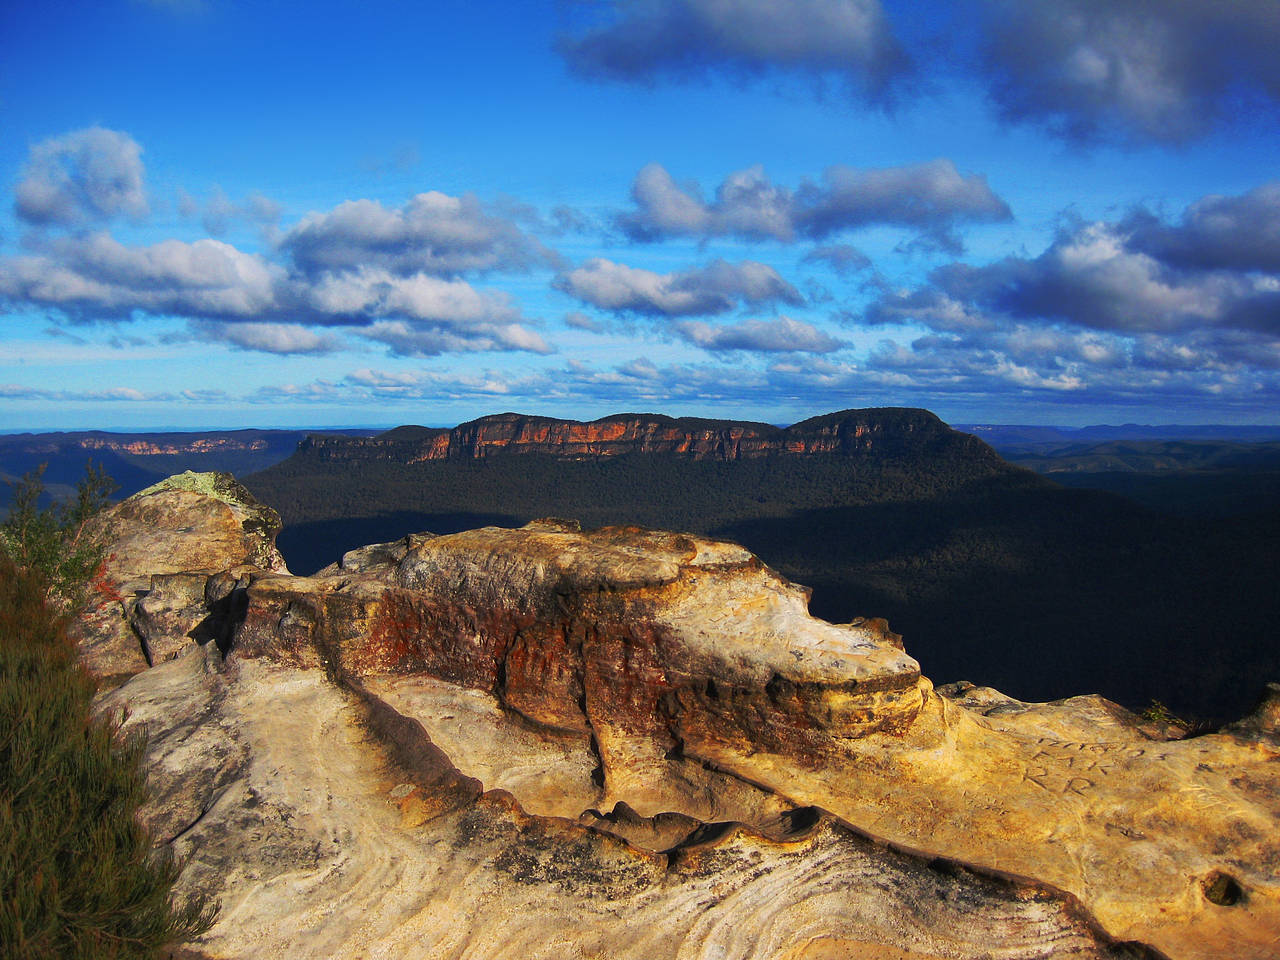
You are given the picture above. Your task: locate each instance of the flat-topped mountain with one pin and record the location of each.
(845, 432)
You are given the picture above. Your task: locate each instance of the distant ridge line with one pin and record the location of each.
(504, 434)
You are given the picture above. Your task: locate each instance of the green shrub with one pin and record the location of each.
(79, 878)
(57, 541)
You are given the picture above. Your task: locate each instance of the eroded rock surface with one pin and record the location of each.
(627, 743)
(181, 530)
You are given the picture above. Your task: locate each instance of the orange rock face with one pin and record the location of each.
(511, 434)
(579, 632)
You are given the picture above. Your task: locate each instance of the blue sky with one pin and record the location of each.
(224, 214)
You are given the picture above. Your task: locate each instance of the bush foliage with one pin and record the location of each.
(56, 541)
(79, 876)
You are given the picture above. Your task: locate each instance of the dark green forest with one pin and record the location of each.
(992, 573)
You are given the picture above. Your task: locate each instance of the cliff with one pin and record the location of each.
(625, 743)
(847, 432)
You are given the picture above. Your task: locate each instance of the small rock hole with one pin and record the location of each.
(1222, 889)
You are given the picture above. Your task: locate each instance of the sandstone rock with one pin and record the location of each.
(181, 530)
(1264, 723)
(168, 616)
(191, 522)
(319, 845)
(408, 755)
(632, 636)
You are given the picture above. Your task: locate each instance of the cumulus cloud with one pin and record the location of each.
(391, 274)
(83, 177)
(409, 339)
(642, 40)
(1127, 310)
(371, 292)
(715, 288)
(783, 335)
(746, 205)
(432, 233)
(1090, 277)
(96, 277)
(930, 198)
(252, 303)
(1158, 70)
(281, 338)
(1216, 233)
(1136, 70)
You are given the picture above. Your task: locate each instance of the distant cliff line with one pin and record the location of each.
(885, 429)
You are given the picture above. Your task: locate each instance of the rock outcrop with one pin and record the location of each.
(544, 742)
(155, 593)
(510, 434)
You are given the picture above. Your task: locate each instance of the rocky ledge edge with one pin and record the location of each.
(409, 753)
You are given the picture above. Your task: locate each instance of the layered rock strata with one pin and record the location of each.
(848, 432)
(627, 743)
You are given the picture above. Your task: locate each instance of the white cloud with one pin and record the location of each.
(783, 335)
(96, 277)
(930, 198)
(715, 288)
(82, 177)
(432, 233)
(281, 338)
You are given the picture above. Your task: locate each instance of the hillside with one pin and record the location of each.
(1205, 477)
(991, 572)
